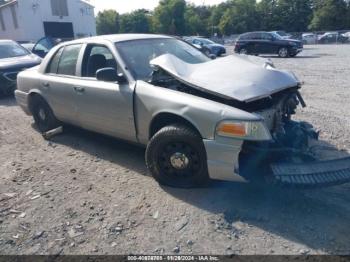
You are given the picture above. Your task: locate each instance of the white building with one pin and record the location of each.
(30, 20)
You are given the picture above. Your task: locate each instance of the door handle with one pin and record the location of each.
(79, 89)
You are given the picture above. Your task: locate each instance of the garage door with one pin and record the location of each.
(59, 30)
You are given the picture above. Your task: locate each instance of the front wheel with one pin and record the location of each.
(283, 52)
(243, 51)
(176, 157)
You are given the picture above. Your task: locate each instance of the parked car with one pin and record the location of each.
(331, 38)
(282, 34)
(44, 45)
(207, 46)
(309, 39)
(347, 35)
(13, 59)
(28, 45)
(257, 43)
(199, 118)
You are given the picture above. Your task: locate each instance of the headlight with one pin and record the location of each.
(293, 43)
(246, 130)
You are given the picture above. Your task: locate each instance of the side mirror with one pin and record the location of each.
(109, 74)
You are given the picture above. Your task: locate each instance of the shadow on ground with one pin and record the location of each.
(319, 219)
(8, 101)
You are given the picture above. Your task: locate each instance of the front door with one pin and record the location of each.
(104, 107)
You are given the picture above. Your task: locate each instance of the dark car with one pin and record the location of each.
(13, 59)
(331, 38)
(257, 43)
(206, 46)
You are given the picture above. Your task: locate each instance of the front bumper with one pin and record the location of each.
(223, 160)
(8, 82)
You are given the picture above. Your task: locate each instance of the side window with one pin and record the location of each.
(97, 57)
(68, 61)
(53, 66)
(255, 36)
(266, 36)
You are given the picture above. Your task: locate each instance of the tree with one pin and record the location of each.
(196, 20)
(135, 22)
(169, 17)
(107, 22)
(239, 17)
(268, 15)
(329, 15)
(294, 15)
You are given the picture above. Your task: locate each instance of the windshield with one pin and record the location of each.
(205, 41)
(277, 36)
(11, 49)
(137, 54)
(281, 33)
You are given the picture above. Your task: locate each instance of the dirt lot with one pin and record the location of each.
(87, 194)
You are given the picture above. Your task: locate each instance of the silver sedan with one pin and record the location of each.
(199, 118)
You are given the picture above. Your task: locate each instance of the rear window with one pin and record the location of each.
(68, 61)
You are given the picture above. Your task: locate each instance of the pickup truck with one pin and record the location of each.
(199, 118)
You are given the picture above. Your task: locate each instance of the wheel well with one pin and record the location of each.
(31, 100)
(166, 119)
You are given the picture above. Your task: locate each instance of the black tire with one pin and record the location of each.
(43, 115)
(177, 145)
(283, 52)
(243, 51)
(207, 52)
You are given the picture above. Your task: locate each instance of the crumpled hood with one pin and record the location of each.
(243, 78)
(26, 61)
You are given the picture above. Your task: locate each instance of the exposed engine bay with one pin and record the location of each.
(285, 160)
(277, 110)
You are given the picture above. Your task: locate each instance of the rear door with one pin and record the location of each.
(104, 107)
(59, 80)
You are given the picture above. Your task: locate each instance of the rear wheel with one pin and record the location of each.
(43, 115)
(207, 52)
(283, 52)
(176, 157)
(243, 51)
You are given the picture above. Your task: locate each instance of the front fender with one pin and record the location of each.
(204, 114)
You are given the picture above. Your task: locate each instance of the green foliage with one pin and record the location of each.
(107, 22)
(135, 22)
(240, 16)
(330, 15)
(169, 17)
(178, 17)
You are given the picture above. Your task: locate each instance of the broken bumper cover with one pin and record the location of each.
(314, 174)
(223, 160)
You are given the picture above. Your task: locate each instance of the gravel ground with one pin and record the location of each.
(87, 194)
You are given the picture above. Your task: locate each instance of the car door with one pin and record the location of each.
(267, 44)
(104, 107)
(43, 46)
(58, 81)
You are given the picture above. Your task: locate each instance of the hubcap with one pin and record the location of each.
(179, 161)
(283, 52)
(243, 52)
(42, 114)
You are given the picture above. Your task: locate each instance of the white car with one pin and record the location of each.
(309, 38)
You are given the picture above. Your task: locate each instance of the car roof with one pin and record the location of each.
(121, 38)
(7, 41)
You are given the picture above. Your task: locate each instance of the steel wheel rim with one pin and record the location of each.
(179, 159)
(283, 52)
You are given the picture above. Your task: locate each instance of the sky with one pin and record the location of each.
(125, 6)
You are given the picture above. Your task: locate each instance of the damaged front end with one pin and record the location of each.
(287, 158)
